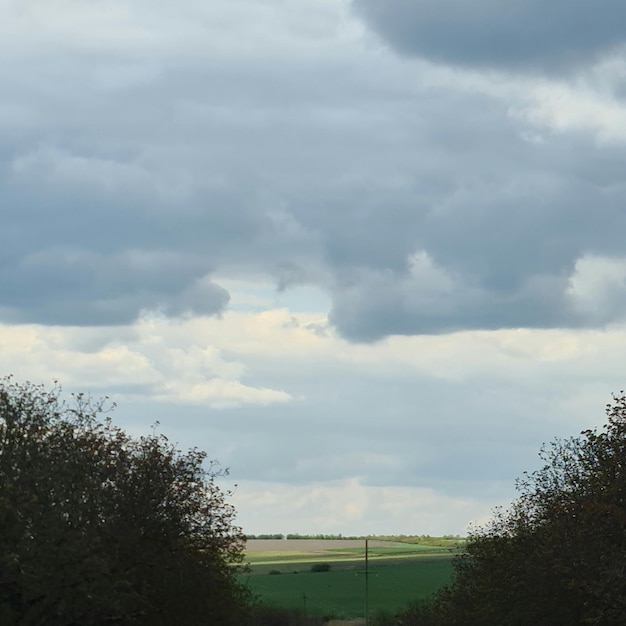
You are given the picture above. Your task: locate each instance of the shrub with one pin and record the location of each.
(320, 567)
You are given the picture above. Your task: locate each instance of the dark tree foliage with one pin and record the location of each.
(557, 557)
(98, 527)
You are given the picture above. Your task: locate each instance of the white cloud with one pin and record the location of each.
(219, 394)
(563, 108)
(597, 287)
(349, 507)
(428, 277)
(588, 103)
(154, 361)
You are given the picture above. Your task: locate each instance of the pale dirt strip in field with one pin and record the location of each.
(312, 545)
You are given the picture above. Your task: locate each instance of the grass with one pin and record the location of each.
(340, 593)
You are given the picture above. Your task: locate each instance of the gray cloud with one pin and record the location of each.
(129, 181)
(181, 159)
(375, 305)
(521, 34)
(91, 262)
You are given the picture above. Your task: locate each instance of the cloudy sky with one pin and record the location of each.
(368, 254)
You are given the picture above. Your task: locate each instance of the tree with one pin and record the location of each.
(557, 556)
(99, 527)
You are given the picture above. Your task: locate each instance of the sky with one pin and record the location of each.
(368, 255)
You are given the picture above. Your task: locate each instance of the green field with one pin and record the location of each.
(397, 576)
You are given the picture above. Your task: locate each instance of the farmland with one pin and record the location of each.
(398, 574)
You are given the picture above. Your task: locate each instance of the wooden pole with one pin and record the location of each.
(367, 586)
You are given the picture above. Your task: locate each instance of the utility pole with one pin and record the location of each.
(367, 585)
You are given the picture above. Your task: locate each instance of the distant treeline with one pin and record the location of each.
(426, 540)
(275, 536)
(299, 536)
(445, 540)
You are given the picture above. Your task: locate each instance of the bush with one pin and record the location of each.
(320, 567)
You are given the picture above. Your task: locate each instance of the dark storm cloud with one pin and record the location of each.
(375, 306)
(497, 225)
(519, 34)
(77, 287)
(419, 208)
(100, 259)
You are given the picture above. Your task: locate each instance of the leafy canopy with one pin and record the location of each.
(557, 556)
(99, 527)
